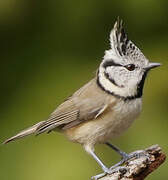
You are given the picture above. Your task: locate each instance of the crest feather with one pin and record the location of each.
(120, 43)
(118, 38)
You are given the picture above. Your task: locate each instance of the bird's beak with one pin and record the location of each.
(152, 65)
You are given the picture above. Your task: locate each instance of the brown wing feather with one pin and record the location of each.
(88, 103)
(67, 119)
(85, 104)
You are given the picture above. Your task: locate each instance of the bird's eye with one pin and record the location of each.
(130, 67)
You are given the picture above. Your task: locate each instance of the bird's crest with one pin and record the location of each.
(121, 44)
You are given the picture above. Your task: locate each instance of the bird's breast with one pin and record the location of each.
(109, 125)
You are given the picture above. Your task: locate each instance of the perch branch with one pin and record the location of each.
(138, 168)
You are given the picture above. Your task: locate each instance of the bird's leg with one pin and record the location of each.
(116, 149)
(124, 155)
(104, 168)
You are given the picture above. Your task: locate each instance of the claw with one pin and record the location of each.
(106, 171)
(110, 171)
(127, 157)
(98, 176)
(136, 154)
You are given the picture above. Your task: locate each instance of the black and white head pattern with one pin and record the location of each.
(124, 67)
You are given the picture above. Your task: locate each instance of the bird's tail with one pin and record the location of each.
(26, 132)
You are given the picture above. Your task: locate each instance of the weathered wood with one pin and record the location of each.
(137, 168)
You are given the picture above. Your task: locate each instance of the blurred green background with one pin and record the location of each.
(48, 49)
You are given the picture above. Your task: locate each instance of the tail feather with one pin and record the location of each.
(24, 133)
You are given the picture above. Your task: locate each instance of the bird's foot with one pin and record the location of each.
(136, 154)
(109, 171)
(98, 176)
(118, 166)
(126, 157)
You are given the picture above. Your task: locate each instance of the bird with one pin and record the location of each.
(107, 105)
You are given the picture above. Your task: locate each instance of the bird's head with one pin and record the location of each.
(124, 67)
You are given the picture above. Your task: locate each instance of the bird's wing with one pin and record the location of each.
(69, 118)
(86, 104)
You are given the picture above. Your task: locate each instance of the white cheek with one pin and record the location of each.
(135, 77)
(133, 82)
(121, 79)
(119, 74)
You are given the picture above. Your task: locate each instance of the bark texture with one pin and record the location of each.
(138, 168)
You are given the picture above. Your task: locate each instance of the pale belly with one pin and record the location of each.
(107, 126)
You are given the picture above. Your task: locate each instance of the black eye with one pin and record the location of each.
(130, 67)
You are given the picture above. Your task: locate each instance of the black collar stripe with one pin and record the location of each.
(137, 95)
